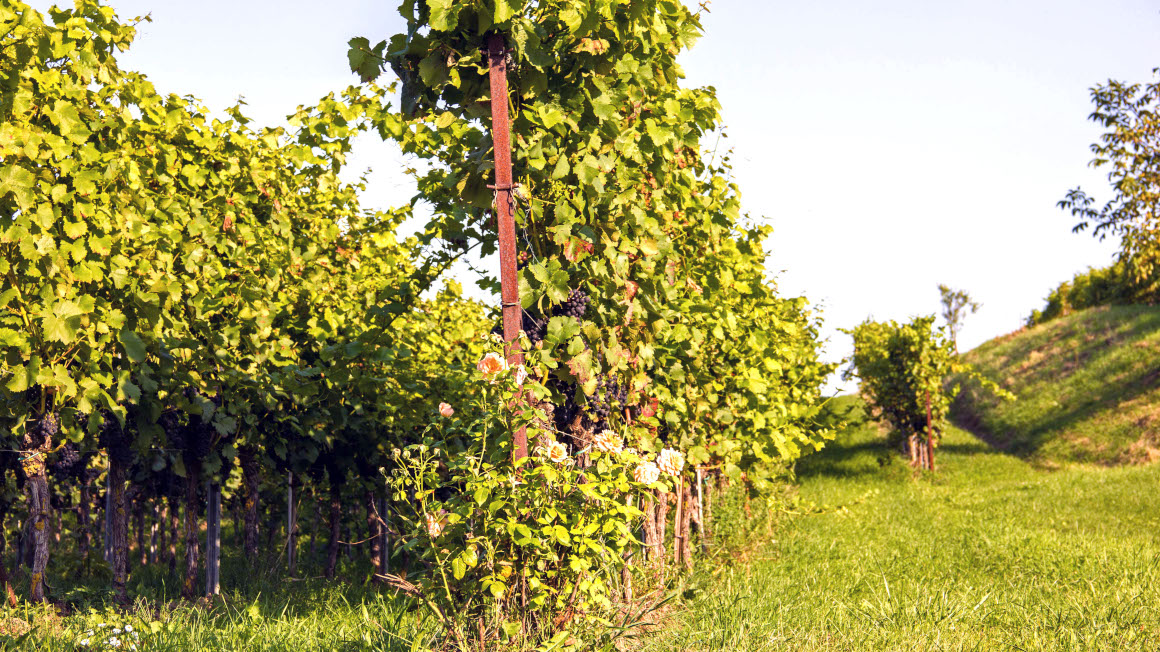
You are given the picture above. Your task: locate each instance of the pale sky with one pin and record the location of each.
(893, 146)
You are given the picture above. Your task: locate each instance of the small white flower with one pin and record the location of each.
(128, 628)
(100, 624)
(85, 643)
(114, 642)
(116, 630)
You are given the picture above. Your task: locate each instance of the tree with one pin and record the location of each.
(956, 305)
(1131, 115)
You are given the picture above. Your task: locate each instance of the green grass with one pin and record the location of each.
(1087, 387)
(259, 610)
(989, 553)
(320, 618)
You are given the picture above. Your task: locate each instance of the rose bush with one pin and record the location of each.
(527, 550)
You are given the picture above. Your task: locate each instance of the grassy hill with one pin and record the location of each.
(1087, 388)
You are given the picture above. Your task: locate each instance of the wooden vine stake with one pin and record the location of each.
(929, 435)
(291, 526)
(509, 282)
(213, 540)
(701, 509)
(678, 520)
(108, 541)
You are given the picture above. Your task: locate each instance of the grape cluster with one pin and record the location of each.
(200, 438)
(117, 440)
(67, 463)
(565, 414)
(169, 484)
(89, 473)
(535, 328)
(174, 434)
(45, 429)
(193, 439)
(575, 306)
(610, 395)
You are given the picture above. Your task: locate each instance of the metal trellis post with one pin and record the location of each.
(509, 282)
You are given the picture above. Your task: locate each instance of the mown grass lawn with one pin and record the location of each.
(989, 553)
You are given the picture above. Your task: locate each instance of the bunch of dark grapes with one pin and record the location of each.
(575, 306)
(565, 414)
(199, 438)
(117, 440)
(535, 328)
(610, 395)
(89, 472)
(45, 429)
(174, 432)
(67, 463)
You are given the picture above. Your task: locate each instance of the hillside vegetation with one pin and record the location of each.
(1087, 388)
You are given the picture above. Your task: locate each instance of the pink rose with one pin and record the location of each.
(446, 410)
(492, 365)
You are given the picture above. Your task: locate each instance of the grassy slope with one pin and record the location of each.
(1087, 387)
(991, 553)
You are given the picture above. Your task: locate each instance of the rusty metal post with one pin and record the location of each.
(509, 282)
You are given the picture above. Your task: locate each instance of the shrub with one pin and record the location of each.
(1112, 285)
(904, 369)
(528, 550)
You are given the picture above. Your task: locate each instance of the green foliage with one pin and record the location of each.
(618, 199)
(164, 268)
(1112, 285)
(1128, 147)
(198, 287)
(904, 371)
